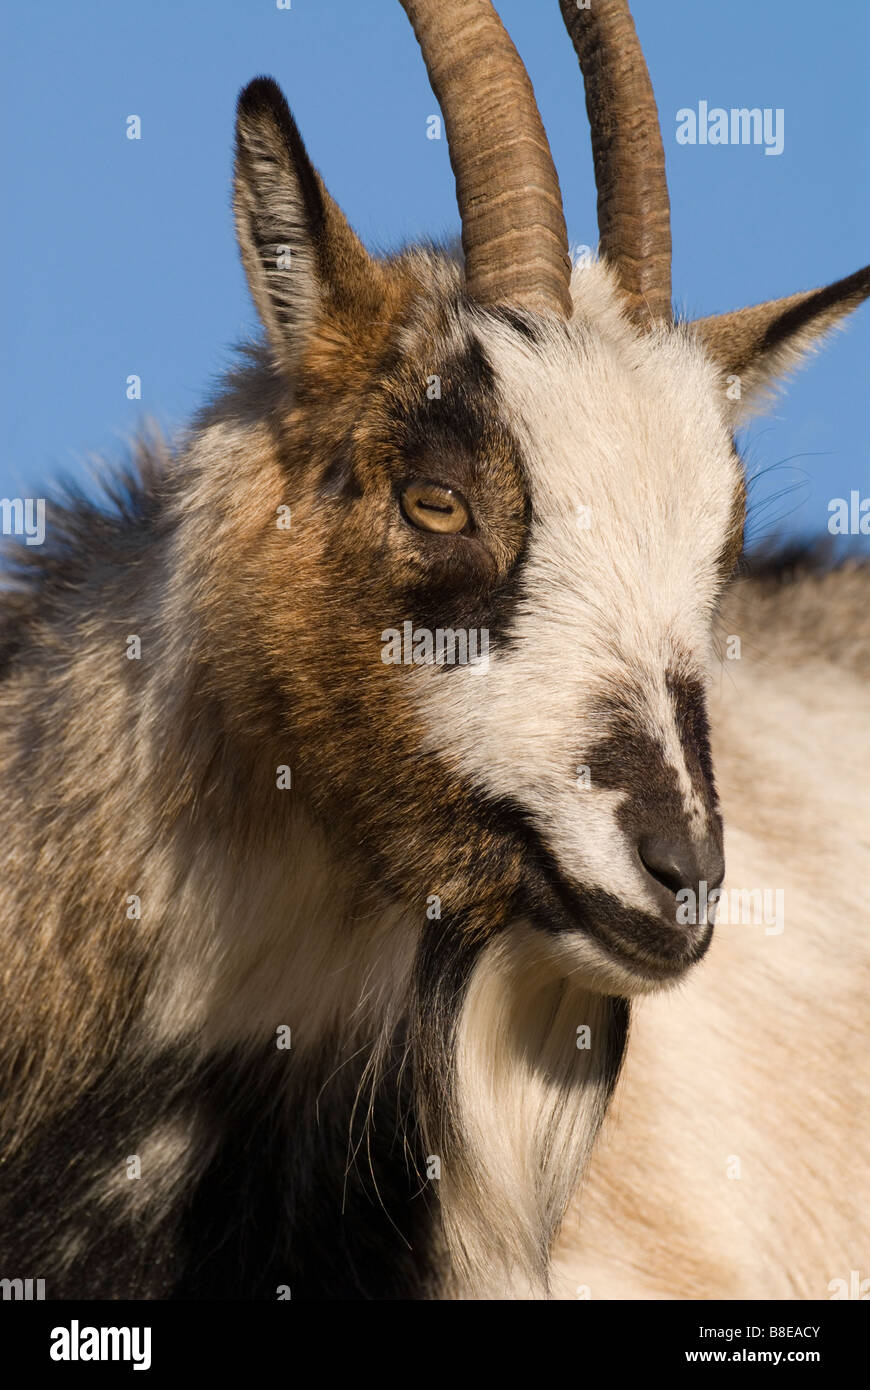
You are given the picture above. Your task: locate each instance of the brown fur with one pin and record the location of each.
(264, 907)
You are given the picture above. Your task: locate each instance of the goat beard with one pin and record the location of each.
(511, 1090)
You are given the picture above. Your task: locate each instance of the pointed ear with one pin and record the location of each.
(753, 348)
(299, 253)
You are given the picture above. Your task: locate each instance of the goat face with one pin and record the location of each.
(564, 497)
(561, 490)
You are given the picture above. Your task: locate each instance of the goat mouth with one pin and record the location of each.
(647, 964)
(650, 948)
(631, 945)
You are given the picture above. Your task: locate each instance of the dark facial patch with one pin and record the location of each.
(693, 727)
(628, 759)
(459, 417)
(457, 437)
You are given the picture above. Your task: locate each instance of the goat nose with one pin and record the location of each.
(678, 864)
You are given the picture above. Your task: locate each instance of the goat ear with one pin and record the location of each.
(298, 250)
(753, 348)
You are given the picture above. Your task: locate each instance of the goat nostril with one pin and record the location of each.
(679, 864)
(664, 863)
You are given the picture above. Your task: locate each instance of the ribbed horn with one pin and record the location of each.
(634, 215)
(513, 226)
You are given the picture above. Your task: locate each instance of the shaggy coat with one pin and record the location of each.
(317, 966)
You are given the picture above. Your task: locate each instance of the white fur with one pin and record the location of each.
(630, 427)
(286, 942)
(529, 1103)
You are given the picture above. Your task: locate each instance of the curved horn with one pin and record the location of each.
(513, 227)
(634, 221)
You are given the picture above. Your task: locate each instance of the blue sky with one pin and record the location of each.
(118, 255)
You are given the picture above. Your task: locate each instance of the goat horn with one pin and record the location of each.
(634, 220)
(513, 226)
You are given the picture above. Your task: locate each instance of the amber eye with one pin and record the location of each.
(434, 507)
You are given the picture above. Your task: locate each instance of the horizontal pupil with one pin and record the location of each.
(434, 506)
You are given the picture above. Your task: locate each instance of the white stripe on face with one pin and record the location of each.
(632, 480)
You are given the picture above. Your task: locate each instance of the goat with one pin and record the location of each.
(318, 947)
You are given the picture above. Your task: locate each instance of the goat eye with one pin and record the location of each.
(433, 507)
